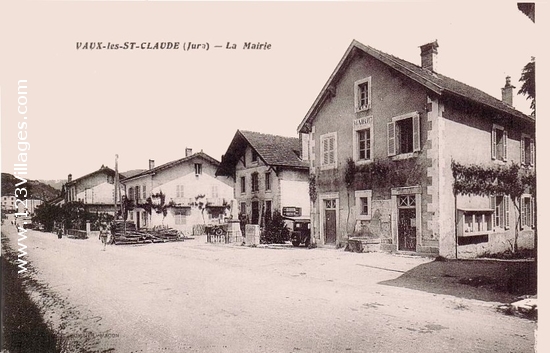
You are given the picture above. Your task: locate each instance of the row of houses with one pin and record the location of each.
(10, 205)
(372, 159)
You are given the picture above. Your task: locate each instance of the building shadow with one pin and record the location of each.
(486, 280)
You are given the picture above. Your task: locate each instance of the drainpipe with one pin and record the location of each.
(456, 227)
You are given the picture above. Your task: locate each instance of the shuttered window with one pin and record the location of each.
(527, 211)
(499, 143)
(527, 151)
(501, 211)
(404, 134)
(328, 149)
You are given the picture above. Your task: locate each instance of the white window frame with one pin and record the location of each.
(530, 223)
(323, 139)
(144, 191)
(392, 138)
(362, 124)
(359, 194)
(357, 87)
(494, 143)
(531, 152)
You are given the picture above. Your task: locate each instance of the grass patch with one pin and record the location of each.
(23, 328)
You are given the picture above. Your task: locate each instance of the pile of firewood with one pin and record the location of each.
(126, 233)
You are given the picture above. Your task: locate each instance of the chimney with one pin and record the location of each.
(151, 164)
(188, 151)
(69, 178)
(508, 92)
(428, 55)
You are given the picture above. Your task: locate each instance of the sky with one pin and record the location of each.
(85, 106)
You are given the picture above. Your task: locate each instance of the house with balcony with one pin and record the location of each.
(269, 175)
(96, 190)
(178, 194)
(380, 140)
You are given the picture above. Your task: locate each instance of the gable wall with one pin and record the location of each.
(392, 95)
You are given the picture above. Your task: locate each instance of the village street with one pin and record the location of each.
(197, 297)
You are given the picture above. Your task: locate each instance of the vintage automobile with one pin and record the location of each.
(300, 230)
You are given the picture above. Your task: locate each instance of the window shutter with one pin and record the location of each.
(522, 144)
(331, 150)
(532, 152)
(494, 214)
(416, 133)
(325, 152)
(391, 139)
(533, 212)
(505, 144)
(494, 143)
(523, 213)
(506, 201)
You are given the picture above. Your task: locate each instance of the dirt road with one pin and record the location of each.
(198, 297)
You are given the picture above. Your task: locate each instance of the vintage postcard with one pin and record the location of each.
(271, 176)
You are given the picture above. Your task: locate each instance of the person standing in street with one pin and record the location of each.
(104, 234)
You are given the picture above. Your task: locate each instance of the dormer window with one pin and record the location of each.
(254, 156)
(363, 94)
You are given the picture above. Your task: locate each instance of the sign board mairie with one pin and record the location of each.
(292, 211)
(362, 122)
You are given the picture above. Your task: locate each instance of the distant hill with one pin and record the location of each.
(35, 188)
(56, 184)
(132, 172)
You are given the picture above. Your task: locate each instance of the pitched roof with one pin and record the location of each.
(174, 163)
(435, 82)
(275, 151)
(131, 173)
(103, 169)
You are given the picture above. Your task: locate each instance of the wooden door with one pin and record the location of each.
(407, 229)
(330, 226)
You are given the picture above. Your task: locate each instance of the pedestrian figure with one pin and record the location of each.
(59, 233)
(104, 234)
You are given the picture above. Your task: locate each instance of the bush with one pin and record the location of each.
(275, 231)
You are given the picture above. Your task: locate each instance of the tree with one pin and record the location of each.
(276, 231)
(507, 180)
(528, 83)
(349, 179)
(47, 214)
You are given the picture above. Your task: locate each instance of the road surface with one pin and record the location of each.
(196, 297)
